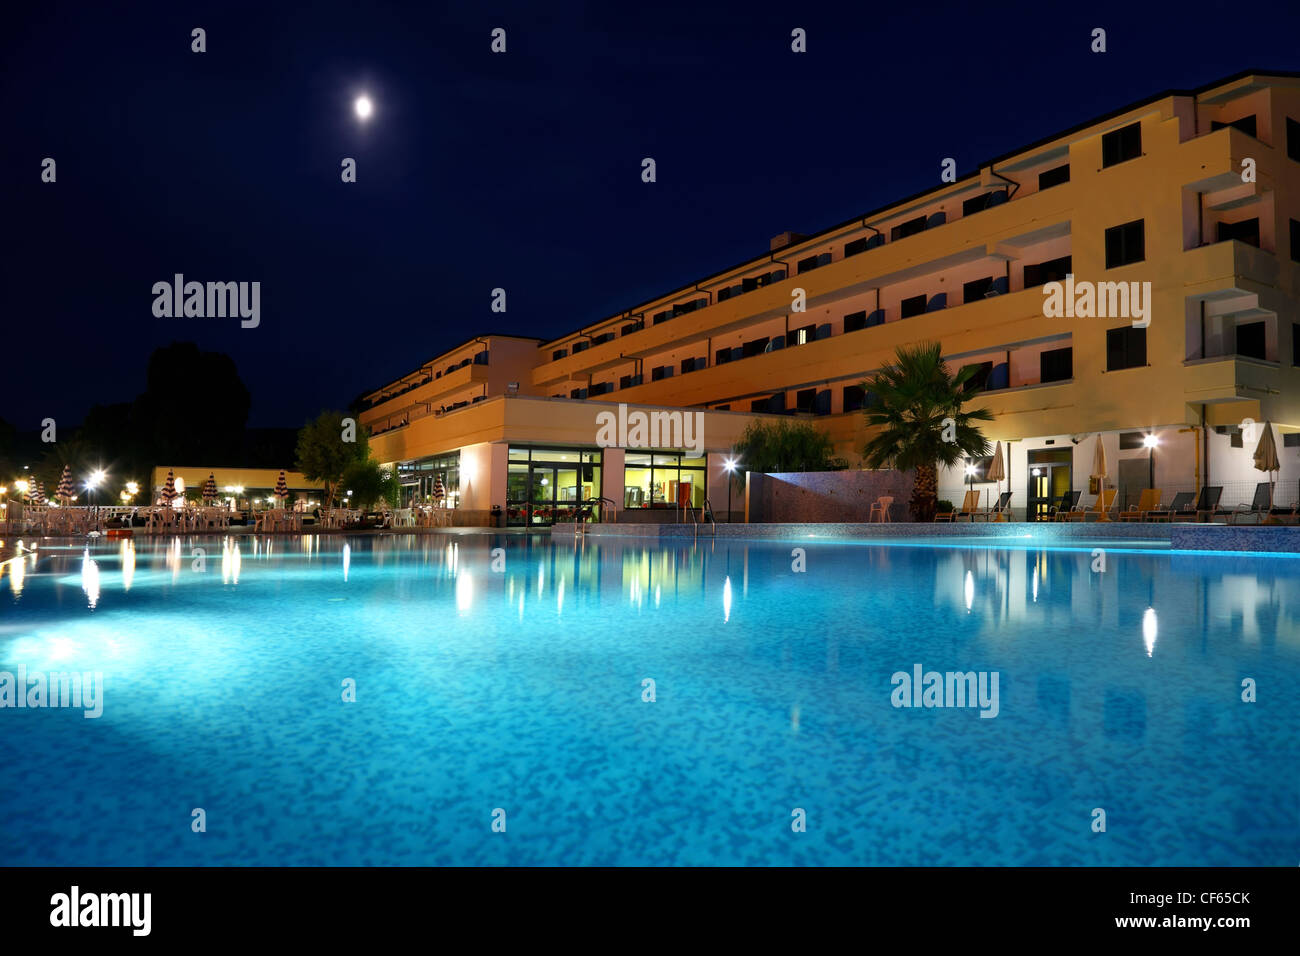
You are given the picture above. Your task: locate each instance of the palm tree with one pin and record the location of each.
(918, 405)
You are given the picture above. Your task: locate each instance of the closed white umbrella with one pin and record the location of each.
(997, 471)
(1099, 470)
(1266, 459)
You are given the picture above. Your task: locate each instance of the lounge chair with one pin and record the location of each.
(1100, 508)
(1181, 507)
(1057, 510)
(1258, 507)
(968, 507)
(1148, 502)
(999, 509)
(1208, 501)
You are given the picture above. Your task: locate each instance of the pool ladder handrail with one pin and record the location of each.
(705, 511)
(579, 526)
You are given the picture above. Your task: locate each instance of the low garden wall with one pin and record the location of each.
(825, 496)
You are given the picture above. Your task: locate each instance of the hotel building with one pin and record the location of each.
(1196, 192)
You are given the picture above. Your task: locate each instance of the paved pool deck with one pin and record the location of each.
(1271, 539)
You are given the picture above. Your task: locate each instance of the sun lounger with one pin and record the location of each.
(1148, 502)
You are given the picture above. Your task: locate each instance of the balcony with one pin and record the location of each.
(1229, 379)
(427, 394)
(1227, 269)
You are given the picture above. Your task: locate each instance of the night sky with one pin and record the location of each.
(478, 170)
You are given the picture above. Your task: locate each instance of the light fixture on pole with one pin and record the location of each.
(730, 465)
(1151, 441)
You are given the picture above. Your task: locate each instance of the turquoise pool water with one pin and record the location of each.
(514, 682)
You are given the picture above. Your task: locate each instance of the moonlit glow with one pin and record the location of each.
(364, 107)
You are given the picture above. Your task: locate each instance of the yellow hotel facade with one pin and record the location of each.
(1194, 192)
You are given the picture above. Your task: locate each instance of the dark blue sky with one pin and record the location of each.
(478, 170)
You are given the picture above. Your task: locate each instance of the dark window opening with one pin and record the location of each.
(581, 346)
(974, 290)
(555, 356)
(1246, 124)
(814, 262)
(754, 347)
(854, 247)
(854, 398)
(1129, 441)
(1121, 145)
(603, 338)
(1246, 231)
(1293, 139)
(1054, 177)
(1125, 244)
(979, 380)
(854, 321)
(913, 306)
(629, 329)
(1053, 270)
(909, 228)
(1295, 241)
(628, 381)
(1251, 340)
(1056, 365)
(1125, 348)
(804, 399)
(983, 201)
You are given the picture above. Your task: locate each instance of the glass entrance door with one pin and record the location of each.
(1048, 483)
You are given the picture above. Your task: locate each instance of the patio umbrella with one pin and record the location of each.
(210, 489)
(439, 492)
(40, 498)
(1266, 459)
(997, 472)
(64, 494)
(169, 491)
(281, 486)
(1099, 470)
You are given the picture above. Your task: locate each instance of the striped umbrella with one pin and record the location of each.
(169, 491)
(40, 498)
(64, 494)
(210, 489)
(439, 492)
(281, 486)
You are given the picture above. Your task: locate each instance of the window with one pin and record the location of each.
(1054, 177)
(983, 201)
(628, 381)
(854, 247)
(662, 371)
(1295, 343)
(1246, 124)
(1246, 231)
(578, 393)
(581, 346)
(1121, 145)
(855, 397)
(1295, 241)
(1126, 347)
(694, 364)
(804, 399)
(814, 262)
(854, 321)
(1053, 270)
(633, 327)
(1056, 365)
(603, 338)
(1251, 340)
(913, 306)
(909, 228)
(803, 336)
(722, 356)
(1293, 139)
(600, 388)
(754, 347)
(981, 377)
(663, 316)
(1130, 441)
(559, 354)
(974, 290)
(1125, 244)
(1291, 441)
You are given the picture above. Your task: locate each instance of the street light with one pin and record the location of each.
(1151, 441)
(730, 465)
(93, 481)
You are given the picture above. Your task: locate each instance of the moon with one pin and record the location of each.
(363, 107)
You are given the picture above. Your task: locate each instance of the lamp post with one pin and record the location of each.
(93, 481)
(970, 475)
(730, 465)
(1151, 441)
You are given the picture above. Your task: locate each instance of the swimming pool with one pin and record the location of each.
(503, 678)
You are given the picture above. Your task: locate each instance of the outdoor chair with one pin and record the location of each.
(881, 507)
(1100, 507)
(1258, 507)
(969, 506)
(999, 510)
(1207, 503)
(1069, 502)
(1180, 507)
(1148, 502)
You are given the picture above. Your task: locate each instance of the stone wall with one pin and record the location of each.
(825, 496)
